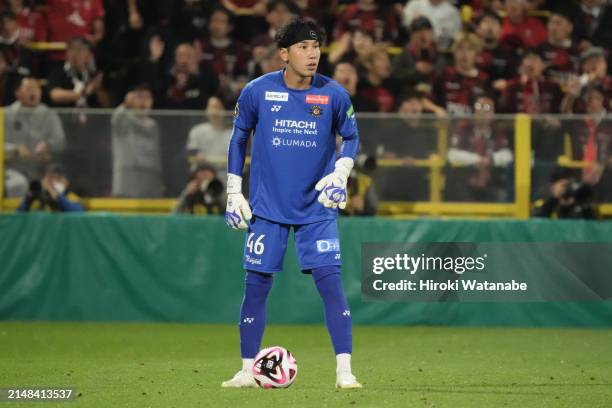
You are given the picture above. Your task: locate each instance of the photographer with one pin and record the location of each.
(51, 193)
(203, 193)
(565, 198)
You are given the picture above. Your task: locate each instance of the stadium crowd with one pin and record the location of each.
(445, 57)
(528, 54)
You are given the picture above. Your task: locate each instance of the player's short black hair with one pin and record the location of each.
(299, 30)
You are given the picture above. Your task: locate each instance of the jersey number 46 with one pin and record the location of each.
(255, 246)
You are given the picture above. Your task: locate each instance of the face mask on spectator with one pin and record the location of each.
(59, 187)
(204, 185)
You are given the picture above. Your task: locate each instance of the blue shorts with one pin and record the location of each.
(316, 244)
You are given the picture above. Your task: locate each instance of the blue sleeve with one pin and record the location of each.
(346, 126)
(66, 205)
(237, 150)
(245, 119)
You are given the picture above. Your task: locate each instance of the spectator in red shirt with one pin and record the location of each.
(253, 7)
(10, 39)
(32, 25)
(454, 88)
(187, 85)
(345, 73)
(531, 92)
(481, 146)
(376, 84)
(519, 29)
(497, 58)
(559, 52)
(592, 138)
(75, 18)
(368, 15)
(419, 61)
(351, 46)
(228, 57)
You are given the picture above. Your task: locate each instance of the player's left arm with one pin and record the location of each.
(333, 186)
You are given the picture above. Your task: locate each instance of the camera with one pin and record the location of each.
(212, 191)
(580, 192)
(365, 163)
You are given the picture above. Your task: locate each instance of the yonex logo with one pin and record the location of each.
(248, 320)
(346, 313)
(275, 108)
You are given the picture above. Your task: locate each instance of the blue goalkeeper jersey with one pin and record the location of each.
(294, 144)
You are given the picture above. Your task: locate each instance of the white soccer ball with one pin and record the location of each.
(274, 367)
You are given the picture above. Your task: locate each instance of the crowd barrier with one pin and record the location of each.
(106, 267)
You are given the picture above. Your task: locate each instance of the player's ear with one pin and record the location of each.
(284, 54)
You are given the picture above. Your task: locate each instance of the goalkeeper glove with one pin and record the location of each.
(238, 211)
(333, 186)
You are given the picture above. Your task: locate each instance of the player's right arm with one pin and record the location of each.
(238, 212)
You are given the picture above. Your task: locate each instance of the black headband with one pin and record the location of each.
(303, 33)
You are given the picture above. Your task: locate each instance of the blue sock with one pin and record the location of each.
(337, 313)
(253, 312)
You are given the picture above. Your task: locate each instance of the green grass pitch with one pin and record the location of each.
(182, 365)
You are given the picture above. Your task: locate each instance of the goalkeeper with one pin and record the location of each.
(295, 181)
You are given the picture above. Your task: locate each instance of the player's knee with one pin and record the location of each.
(325, 271)
(259, 278)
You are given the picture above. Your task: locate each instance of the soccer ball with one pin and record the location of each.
(274, 367)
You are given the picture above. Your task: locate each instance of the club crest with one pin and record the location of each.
(316, 111)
